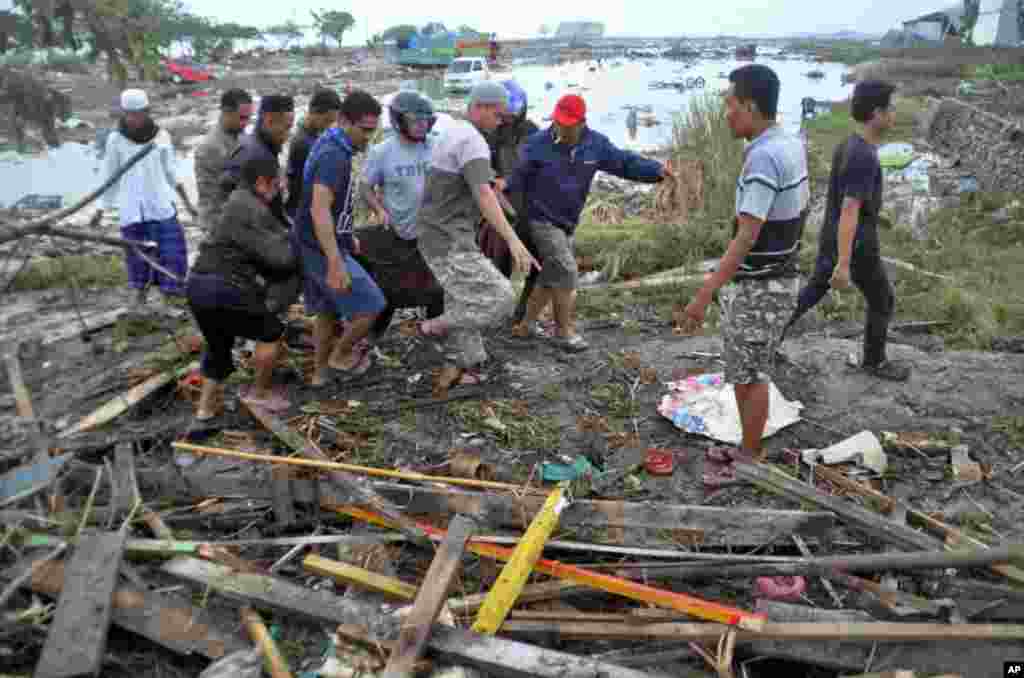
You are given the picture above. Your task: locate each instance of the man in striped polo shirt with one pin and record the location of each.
(757, 280)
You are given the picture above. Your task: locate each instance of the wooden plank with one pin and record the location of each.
(284, 503)
(430, 599)
(622, 587)
(496, 655)
(277, 595)
(350, 574)
(510, 659)
(871, 562)
(165, 619)
(77, 638)
(952, 536)
(737, 527)
(833, 654)
(23, 404)
(26, 480)
(273, 662)
(126, 487)
(505, 591)
(720, 526)
(359, 490)
(870, 523)
(125, 401)
(531, 593)
(882, 632)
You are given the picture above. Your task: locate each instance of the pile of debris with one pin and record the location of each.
(450, 568)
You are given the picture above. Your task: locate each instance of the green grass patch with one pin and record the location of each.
(849, 52)
(85, 270)
(522, 429)
(1007, 72)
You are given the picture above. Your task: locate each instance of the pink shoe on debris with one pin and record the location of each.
(780, 588)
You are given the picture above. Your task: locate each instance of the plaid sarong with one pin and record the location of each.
(171, 253)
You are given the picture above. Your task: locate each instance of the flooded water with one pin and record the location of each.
(73, 170)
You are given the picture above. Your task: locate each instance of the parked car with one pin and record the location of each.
(180, 72)
(466, 72)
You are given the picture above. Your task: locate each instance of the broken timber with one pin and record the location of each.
(894, 533)
(709, 525)
(505, 591)
(882, 632)
(952, 535)
(350, 574)
(274, 664)
(77, 638)
(345, 482)
(857, 563)
(165, 619)
(504, 657)
(412, 640)
(122, 403)
(602, 582)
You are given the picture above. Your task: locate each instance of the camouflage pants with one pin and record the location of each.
(476, 297)
(754, 313)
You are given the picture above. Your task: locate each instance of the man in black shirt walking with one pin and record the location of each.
(848, 247)
(324, 107)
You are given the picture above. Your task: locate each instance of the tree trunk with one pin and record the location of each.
(67, 16)
(46, 37)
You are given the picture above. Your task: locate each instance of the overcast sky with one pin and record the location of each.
(522, 18)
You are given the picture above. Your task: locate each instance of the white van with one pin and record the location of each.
(466, 72)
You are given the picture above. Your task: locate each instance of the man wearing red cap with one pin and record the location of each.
(559, 164)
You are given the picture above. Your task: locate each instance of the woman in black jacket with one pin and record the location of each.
(246, 252)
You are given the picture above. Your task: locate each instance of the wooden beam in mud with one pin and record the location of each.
(165, 619)
(952, 536)
(438, 581)
(124, 402)
(889, 531)
(882, 632)
(708, 525)
(359, 489)
(77, 637)
(493, 654)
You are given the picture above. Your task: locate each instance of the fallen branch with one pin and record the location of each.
(907, 266)
(43, 224)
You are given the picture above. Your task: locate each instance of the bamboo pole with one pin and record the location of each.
(351, 468)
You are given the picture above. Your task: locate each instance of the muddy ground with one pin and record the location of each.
(556, 406)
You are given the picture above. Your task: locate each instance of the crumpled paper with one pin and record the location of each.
(706, 405)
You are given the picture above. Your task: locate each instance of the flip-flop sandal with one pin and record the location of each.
(435, 334)
(360, 368)
(471, 378)
(275, 403)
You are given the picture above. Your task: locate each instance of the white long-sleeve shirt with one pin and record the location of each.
(146, 192)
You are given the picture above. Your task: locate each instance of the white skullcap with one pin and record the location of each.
(134, 100)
